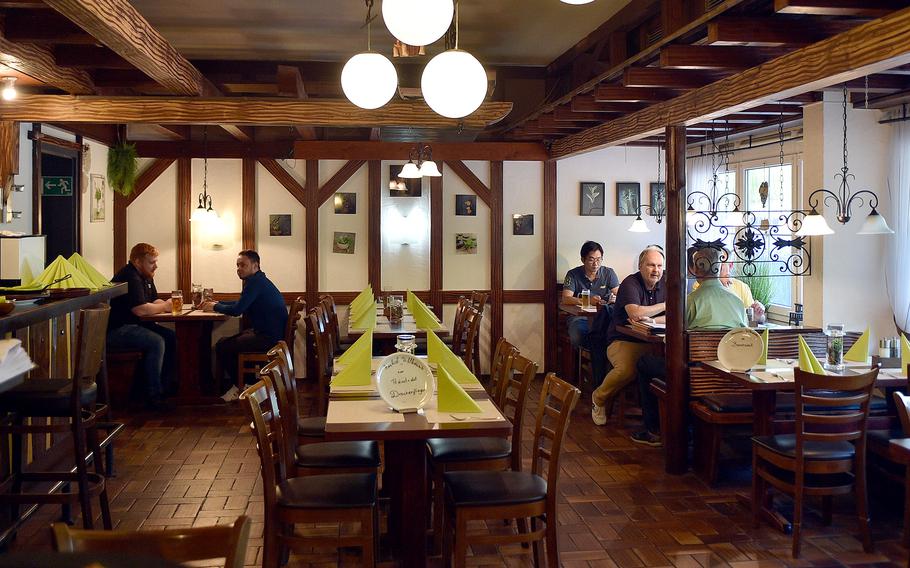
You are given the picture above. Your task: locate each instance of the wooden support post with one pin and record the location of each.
(496, 258)
(676, 438)
(436, 245)
(549, 264)
(374, 219)
(311, 194)
(248, 203)
(184, 239)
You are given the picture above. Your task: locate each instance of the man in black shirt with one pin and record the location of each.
(126, 331)
(599, 280)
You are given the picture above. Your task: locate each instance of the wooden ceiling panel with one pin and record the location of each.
(860, 8)
(721, 57)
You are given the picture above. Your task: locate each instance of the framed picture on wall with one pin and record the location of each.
(466, 205)
(522, 224)
(345, 203)
(628, 198)
(404, 187)
(465, 243)
(98, 199)
(592, 198)
(343, 243)
(280, 225)
(658, 199)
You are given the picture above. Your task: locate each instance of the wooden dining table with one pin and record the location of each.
(194, 354)
(386, 333)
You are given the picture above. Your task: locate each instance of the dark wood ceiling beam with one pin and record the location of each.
(492, 151)
(776, 108)
(711, 57)
(548, 121)
(239, 133)
(290, 84)
(44, 27)
(668, 78)
(770, 32)
(37, 61)
(253, 112)
(104, 133)
(119, 26)
(843, 57)
(565, 114)
(89, 57)
(588, 103)
(611, 93)
(861, 8)
(171, 131)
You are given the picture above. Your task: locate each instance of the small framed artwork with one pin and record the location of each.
(405, 187)
(592, 198)
(522, 224)
(98, 198)
(658, 198)
(343, 243)
(466, 205)
(280, 225)
(345, 203)
(628, 198)
(465, 243)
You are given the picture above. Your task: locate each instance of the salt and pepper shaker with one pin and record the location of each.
(884, 348)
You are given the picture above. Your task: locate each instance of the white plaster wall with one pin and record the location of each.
(522, 255)
(405, 219)
(338, 271)
(283, 258)
(214, 248)
(522, 325)
(465, 271)
(97, 238)
(22, 201)
(621, 247)
(151, 218)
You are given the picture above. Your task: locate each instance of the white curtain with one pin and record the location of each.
(699, 171)
(897, 267)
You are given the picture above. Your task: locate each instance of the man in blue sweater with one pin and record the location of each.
(261, 301)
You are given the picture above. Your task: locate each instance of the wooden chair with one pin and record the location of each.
(463, 340)
(500, 367)
(479, 301)
(176, 545)
(471, 454)
(456, 340)
(335, 498)
(319, 347)
(331, 309)
(322, 457)
(819, 458)
(309, 428)
(74, 400)
(250, 363)
(484, 495)
(902, 403)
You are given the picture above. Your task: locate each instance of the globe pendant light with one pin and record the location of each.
(369, 79)
(417, 22)
(454, 83)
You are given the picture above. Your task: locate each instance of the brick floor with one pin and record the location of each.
(198, 466)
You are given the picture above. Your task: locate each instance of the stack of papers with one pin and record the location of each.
(14, 361)
(649, 327)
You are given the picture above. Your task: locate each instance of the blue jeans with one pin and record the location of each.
(578, 329)
(158, 345)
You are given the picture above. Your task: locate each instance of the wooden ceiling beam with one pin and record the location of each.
(843, 57)
(721, 57)
(37, 61)
(290, 84)
(44, 27)
(492, 151)
(251, 112)
(119, 26)
(667, 78)
(860, 8)
(89, 57)
(770, 32)
(171, 131)
(566, 114)
(775, 108)
(588, 103)
(612, 93)
(239, 133)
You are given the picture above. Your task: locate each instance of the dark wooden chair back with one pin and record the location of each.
(479, 299)
(902, 402)
(261, 406)
(323, 355)
(458, 327)
(557, 400)
(177, 545)
(295, 312)
(331, 320)
(515, 389)
(472, 320)
(287, 403)
(282, 353)
(90, 342)
(500, 367)
(832, 409)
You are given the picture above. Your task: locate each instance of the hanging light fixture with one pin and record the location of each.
(815, 224)
(411, 170)
(427, 167)
(9, 88)
(717, 205)
(417, 22)
(204, 211)
(576, 2)
(369, 79)
(454, 83)
(658, 210)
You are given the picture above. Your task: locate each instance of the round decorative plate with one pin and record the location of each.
(405, 382)
(740, 349)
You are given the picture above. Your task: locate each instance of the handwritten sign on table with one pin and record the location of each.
(404, 381)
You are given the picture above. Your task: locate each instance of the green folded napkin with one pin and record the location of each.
(859, 352)
(363, 343)
(425, 319)
(435, 348)
(905, 353)
(356, 370)
(363, 297)
(450, 397)
(57, 269)
(410, 301)
(367, 320)
(807, 360)
(98, 280)
(764, 349)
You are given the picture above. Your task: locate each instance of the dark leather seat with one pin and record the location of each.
(311, 427)
(884, 436)
(785, 444)
(491, 488)
(334, 491)
(46, 397)
(742, 402)
(468, 449)
(338, 455)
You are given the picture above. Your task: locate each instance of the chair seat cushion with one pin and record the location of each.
(785, 444)
(338, 454)
(311, 427)
(812, 480)
(884, 436)
(334, 491)
(475, 488)
(45, 397)
(468, 449)
(728, 402)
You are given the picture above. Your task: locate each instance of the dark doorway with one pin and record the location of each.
(60, 191)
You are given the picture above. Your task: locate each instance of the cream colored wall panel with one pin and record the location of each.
(342, 271)
(328, 168)
(215, 244)
(405, 229)
(522, 325)
(98, 237)
(465, 271)
(522, 255)
(22, 200)
(283, 257)
(151, 218)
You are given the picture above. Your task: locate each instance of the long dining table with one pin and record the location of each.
(386, 332)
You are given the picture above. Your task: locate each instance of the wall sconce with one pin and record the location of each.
(424, 166)
(9, 88)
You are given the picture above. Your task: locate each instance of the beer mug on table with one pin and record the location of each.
(197, 295)
(585, 298)
(176, 302)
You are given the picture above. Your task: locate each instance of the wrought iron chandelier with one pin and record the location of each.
(656, 210)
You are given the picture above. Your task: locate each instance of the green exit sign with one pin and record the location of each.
(57, 185)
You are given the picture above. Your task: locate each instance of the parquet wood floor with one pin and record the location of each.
(198, 466)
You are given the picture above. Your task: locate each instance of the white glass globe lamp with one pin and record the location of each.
(418, 22)
(369, 80)
(454, 83)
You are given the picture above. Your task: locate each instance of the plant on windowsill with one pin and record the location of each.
(122, 167)
(761, 284)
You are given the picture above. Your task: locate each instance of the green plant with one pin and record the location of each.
(122, 166)
(760, 283)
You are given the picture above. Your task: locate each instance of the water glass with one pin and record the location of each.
(176, 302)
(406, 343)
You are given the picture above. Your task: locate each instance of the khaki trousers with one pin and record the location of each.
(623, 355)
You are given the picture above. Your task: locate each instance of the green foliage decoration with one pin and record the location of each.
(122, 167)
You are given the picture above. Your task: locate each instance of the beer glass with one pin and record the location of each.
(176, 302)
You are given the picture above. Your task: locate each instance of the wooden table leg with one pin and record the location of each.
(405, 479)
(194, 365)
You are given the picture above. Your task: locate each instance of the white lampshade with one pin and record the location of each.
(418, 22)
(639, 226)
(369, 80)
(454, 83)
(9, 88)
(875, 224)
(576, 2)
(410, 171)
(813, 225)
(429, 169)
(199, 214)
(393, 183)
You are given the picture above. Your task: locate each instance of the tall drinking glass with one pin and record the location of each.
(176, 302)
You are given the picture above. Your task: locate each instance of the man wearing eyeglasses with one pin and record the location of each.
(601, 282)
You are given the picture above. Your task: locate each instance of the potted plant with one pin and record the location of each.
(122, 166)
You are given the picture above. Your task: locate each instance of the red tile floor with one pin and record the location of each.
(198, 466)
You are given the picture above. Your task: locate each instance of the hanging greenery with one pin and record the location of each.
(122, 165)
